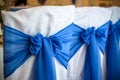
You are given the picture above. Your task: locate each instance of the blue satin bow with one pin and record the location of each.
(18, 47)
(113, 52)
(94, 39)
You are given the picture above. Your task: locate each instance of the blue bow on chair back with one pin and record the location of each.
(92, 69)
(94, 40)
(19, 47)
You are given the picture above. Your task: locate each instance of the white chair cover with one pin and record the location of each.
(47, 20)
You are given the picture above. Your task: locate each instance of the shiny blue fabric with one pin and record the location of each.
(95, 40)
(113, 52)
(18, 47)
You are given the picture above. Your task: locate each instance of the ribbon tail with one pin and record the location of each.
(44, 67)
(113, 57)
(16, 51)
(87, 71)
(92, 67)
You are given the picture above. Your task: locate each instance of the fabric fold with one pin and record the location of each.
(44, 66)
(113, 52)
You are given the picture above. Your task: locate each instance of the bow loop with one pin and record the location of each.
(36, 44)
(57, 43)
(86, 35)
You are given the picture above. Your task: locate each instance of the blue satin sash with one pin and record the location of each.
(95, 40)
(18, 47)
(113, 52)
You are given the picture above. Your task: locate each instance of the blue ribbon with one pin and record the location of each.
(18, 47)
(94, 39)
(113, 53)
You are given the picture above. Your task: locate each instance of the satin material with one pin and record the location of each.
(95, 40)
(18, 47)
(113, 52)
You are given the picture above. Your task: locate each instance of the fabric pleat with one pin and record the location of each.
(113, 52)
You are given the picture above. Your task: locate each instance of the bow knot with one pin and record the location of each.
(36, 44)
(86, 35)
